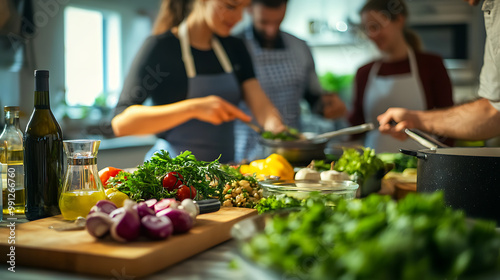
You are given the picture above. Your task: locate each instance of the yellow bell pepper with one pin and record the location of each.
(277, 165)
(247, 169)
(273, 165)
(258, 166)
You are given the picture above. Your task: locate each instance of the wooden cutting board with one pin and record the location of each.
(76, 251)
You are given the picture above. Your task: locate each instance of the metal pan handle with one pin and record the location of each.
(413, 153)
(346, 131)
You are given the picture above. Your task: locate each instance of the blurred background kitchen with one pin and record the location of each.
(88, 46)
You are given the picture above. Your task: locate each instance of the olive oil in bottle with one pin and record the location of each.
(11, 164)
(43, 155)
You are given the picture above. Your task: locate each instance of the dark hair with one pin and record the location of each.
(270, 3)
(171, 14)
(392, 9)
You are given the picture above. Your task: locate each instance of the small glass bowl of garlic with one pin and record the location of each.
(301, 189)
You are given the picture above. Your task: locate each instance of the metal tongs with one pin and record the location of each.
(424, 139)
(345, 131)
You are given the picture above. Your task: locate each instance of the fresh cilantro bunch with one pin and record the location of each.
(146, 182)
(377, 238)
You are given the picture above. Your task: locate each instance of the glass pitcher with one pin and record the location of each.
(82, 187)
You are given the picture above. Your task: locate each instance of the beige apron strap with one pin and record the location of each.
(221, 55)
(187, 57)
(414, 70)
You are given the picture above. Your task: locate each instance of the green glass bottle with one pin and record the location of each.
(43, 155)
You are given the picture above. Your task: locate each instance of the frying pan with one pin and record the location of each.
(302, 151)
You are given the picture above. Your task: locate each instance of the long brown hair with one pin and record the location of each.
(171, 14)
(392, 9)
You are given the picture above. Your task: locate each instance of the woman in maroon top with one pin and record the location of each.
(403, 77)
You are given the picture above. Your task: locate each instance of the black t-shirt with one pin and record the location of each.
(158, 71)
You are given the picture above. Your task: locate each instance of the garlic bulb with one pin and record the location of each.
(307, 174)
(333, 175)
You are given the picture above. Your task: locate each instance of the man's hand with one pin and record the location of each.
(404, 119)
(473, 2)
(333, 107)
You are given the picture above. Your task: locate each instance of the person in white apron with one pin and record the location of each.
(382, 92)
(192, 111)
(404, 77)
(478, 120)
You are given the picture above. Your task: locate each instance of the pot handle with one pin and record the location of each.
(413, 153)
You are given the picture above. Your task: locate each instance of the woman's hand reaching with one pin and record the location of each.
(140, 119)
(215, 110)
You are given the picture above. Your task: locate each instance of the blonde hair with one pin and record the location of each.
(392, 9)
(171, 14)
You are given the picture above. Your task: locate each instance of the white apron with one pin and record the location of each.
(206, 141)
(383, 92)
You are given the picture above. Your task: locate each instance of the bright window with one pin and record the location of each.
(92, 56)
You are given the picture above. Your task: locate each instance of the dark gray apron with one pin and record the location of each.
(206, 141)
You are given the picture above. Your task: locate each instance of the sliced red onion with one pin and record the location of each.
(157, 227)
(127, 225)
(143, 209)
(116, 212)
(104, 206)
(98, 224)
(165, 203)
(181, 219)
(151, 203)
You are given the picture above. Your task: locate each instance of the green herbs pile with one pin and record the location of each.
(276, 202)
(286, 135)
(208, 178)
(360, 164)
(282, 202)
(376, 238)
(400, 161)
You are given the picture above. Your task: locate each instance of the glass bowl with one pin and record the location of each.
(301, 189)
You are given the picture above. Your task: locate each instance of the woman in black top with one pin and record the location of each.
(195, 74)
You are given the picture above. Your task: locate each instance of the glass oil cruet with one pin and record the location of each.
(82, 187)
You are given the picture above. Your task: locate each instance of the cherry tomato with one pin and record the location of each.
(172, 180)
(184, 192)
(108, 172)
